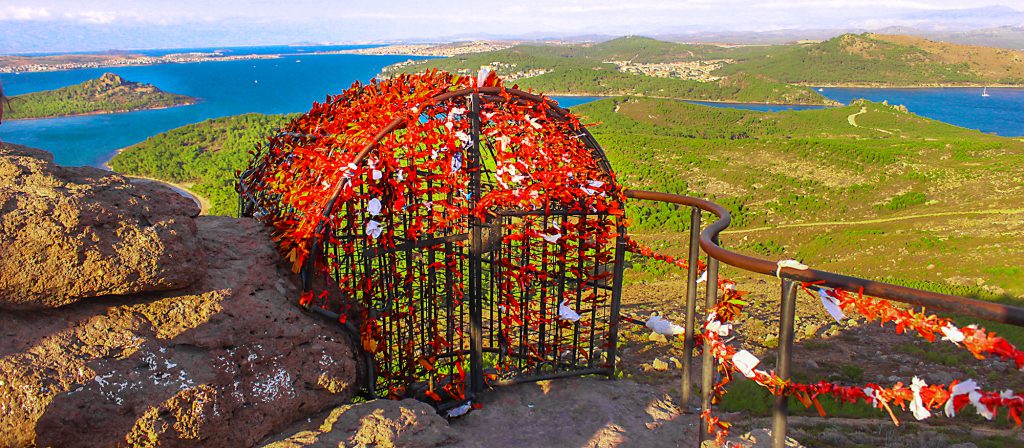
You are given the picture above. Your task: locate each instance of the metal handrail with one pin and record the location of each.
(944, 302)
(789, 278)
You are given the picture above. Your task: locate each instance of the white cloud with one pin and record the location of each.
(23, 13)
(97, 17)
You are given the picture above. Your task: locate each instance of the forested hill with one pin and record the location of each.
(203, 155)
(106, 94)
(627, 66)
(885, 60)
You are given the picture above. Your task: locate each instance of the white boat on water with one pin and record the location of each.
(821, 89)
(984, 92)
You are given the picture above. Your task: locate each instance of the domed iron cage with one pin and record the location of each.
(453, 307)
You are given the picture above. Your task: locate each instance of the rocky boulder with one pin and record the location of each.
(223, 363)
(378, 423)
(73, 233)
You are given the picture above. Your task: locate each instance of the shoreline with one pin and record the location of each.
(606, 96)
(11, 69)
(919, 86)
(94, 113)
(202, 202)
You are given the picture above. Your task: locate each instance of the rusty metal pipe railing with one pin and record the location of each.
(787, 305)
(980, 309)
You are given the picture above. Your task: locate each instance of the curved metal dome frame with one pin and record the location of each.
(479, 376)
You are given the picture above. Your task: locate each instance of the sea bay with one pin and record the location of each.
(291, 83)
(1001, 113)
(282, 85)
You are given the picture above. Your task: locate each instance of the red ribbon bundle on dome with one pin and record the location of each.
(376, 187)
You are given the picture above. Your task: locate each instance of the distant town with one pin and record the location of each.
(73, 62)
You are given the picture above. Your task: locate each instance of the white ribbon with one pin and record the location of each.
(789, 264)
(456, 162)
(719, 328)
(663, 326)
(482, 76)
(917, 404)
(374, 229)
(873, 394)
(566, 313)
(983, 410)
(460, 411)
(373, 207)
(963, 388)
(533, 122)
(952, 334)
(551, 238)
(745, 362)
(831, 305)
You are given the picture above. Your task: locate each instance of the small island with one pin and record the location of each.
(109, 93)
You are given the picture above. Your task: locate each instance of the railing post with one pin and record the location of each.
(476, 365)
(613, 320)
(787, 315)
(691, 306)
(708, 362)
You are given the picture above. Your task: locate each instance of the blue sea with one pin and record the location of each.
(293, 82)
(1001, 113)
(287, 84)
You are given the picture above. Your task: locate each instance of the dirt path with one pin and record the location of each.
(853, 117)
(878, 220)
(204, 204)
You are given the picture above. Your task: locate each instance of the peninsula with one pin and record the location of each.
(109, 93)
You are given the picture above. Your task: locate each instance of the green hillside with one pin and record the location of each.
(885, 60)
(896, 195)
(106, 94)
(811, 165)
(205, 155)
(586, 70)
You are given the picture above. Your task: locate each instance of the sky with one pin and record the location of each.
(67, 25)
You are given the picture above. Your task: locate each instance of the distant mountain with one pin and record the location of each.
(107, 94)
(886, 60)
(1002, 37)
(965, 19)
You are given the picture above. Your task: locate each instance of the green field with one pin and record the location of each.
(107, 94)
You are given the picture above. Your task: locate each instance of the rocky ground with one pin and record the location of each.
(853, 352)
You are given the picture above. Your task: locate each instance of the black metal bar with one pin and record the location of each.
(476, 365)
(787, 316)
(418, 244)
(708, 361)
(613, 319)
(691, 306)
